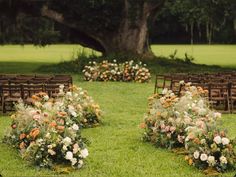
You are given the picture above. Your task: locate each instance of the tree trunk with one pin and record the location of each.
(132, 37)
(129, 40)
(191, 30)
(234, 28)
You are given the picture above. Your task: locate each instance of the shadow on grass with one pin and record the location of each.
(157, 65)
(21, 67)
(163, 65)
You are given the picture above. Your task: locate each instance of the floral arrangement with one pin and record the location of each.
(186, 121)
(112, 71)
(47, 133)
(211, 149)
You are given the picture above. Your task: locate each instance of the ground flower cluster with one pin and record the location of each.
(47, 133)
(187, 122)
(112, 71)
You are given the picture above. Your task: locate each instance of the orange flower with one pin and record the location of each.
(222, 133)
(186, 158)
(197, 141)
(60, 128)
(53, 124)
(35, 97)
(61, 121)
(190, 161)
(34, 133)
(142, 125)
(46, 120)
(22, 145)
(42, 94)
(158, 113)
(22, 136)
(62, 113)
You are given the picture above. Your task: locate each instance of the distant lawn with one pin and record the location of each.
(223, 55)
(48, 54)
(30, 58)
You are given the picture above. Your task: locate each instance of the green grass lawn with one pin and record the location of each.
(224, 55)
(116, 149)
(36, 54)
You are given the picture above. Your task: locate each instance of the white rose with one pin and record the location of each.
(64, 148)
(164, 91)
(75, 148)
(200, 103)
(46, 97)
(68, 94)
(51, 152)
(73, 161)
(74, 114)
(196, 154)
(211, 160)
(84, 153)
(61, 86)
(223, 160)
(172, 94)
(80, 163)
(202, 111)
(67, 141)
(181, 82)
(203, 157)
(225, 141)
(69, 155)
(75, 127)
(203, 141)
(217, 115)
(48, 135)
(217, 139)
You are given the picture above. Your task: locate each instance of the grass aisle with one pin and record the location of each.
(116, 148)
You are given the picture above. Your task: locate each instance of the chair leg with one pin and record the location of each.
(4, 107)
(228, 107)
(232, 106)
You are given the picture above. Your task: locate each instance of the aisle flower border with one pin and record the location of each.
(48, 132)
(187, 122)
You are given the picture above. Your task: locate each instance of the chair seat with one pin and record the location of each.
(11, 99)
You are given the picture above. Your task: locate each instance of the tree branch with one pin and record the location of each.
(86, 39)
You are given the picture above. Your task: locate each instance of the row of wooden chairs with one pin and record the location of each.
(14, 89)
(34, 79)
(221, 93)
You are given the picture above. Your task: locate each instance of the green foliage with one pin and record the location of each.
(208, 19)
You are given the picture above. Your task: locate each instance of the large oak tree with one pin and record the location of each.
(109, 26)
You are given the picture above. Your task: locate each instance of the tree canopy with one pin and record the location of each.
(117, 26)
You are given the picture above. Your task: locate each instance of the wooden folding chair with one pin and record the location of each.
(31, 89)
(176, 87)
(232, 95)
(219, 96)
(65, 82)
(159, 83)
(52, 89)
(62, 77)
(10, 95)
